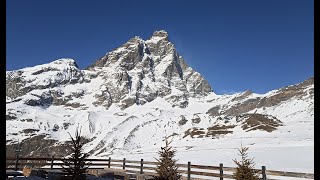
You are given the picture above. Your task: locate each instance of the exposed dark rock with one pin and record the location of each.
(280, 96)
(36, 146)
(214, 131)
(178, 101)
(183, 120)
(45, 99)
(66, 125)
(39, 146)
(55, 127)
(127, 102)
(60, 101)
(44, 70)
(74, 105)
(28, 131)
(103, 99)
(216, 134)
(241, 108)
(285, 94)
(242, 96)
(13, 85)
(10, 117)
(214, 111)
(28, 120)
(218, 127)
(120, 114)
(196, 119)
(217, 130)
(193, 132)
(262, 122)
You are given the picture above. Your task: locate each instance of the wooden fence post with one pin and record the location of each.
(109, 162)
(264, 176)
(141, 167)
(124, 163)
(16, 165)
(189, 170)
(221, 171)
(52, 162)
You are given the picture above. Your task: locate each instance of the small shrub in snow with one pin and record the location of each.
(166, 165)
(245, 168)
(76, 163)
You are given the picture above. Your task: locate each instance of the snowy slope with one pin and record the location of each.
(134, 96)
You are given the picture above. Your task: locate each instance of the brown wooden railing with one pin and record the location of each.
(189, 171)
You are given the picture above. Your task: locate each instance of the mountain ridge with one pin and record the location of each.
(154, 62)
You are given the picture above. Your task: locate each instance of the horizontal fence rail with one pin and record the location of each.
(188, 171)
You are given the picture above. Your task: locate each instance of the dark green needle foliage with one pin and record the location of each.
(245, 168)
(76, 164)
(166, 165)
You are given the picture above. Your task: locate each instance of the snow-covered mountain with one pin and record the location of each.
(131, 98)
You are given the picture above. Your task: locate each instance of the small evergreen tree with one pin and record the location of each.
(75, 164)
(245, 168)
(166, 165)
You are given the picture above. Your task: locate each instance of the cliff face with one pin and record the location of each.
(135, 73)
(140, 71)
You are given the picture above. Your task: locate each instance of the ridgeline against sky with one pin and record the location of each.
(235, 45)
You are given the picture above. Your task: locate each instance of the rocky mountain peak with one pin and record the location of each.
(66, 61)
(135, 40)
(159, 35)
(146, 69)
(137, 72)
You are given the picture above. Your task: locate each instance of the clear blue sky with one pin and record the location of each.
(236, 45)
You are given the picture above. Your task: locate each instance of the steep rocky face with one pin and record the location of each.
(56, 73)
(38, 146)
(244, 103)
(135, 73)
(140, 71)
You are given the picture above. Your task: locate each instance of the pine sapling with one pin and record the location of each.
(166, 165)
(75, 165)
(245, 168)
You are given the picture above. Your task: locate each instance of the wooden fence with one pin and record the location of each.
(188, 171)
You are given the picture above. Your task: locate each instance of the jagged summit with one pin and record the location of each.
(69, 61)
(137, 72)
(159, 35)
(134, 40)
(158, 44)
(148, 69)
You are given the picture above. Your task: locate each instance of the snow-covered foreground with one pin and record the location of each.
(285, 156)
(138, 133)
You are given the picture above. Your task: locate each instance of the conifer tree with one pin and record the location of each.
(75, 164)
(245, 168)
(166, 165)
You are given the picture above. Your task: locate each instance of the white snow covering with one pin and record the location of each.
(138, 132)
